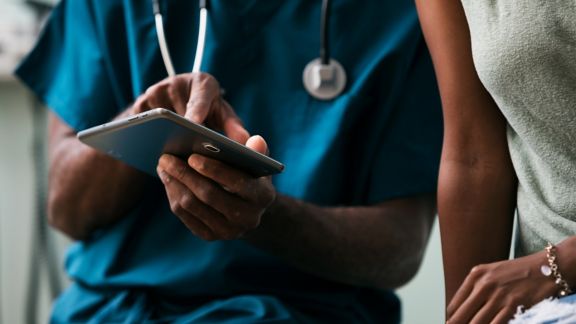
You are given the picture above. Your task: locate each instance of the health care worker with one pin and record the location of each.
(350, 215)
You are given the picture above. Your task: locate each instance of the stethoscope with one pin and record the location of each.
(324, 78)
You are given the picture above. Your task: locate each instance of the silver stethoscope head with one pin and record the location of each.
(324, 78)
(324, 81)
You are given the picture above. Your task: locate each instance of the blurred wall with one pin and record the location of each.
(17, 205)
(423, 297)
(18, 186)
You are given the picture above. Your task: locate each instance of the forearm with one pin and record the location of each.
(476, 208)
(379, 246)
(87, 189)
(477, 185)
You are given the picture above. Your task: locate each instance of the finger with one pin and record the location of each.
(504, 316)
(234, 180)
(255, 193)
(197, 227)
(469, 308)
(258, 144)
(178, 93)
(463, 292)
(487, 313)
(207, 191)
(203, 92)
(157, 95)
(140, 105)
(200, 219)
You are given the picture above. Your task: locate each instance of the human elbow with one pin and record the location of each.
(398, 273)
(64, 216)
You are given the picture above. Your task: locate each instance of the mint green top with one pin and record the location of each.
(525, 55)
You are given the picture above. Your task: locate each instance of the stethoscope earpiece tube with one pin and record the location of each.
(324, 78)
(324, 32)
(201, 36)
(162, 39)
(204, 4)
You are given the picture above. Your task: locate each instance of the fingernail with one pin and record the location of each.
(193, 161)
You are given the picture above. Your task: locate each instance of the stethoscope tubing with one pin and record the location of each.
(200, 45)
(323, 78)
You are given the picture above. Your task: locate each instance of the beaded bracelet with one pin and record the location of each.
(552, 269)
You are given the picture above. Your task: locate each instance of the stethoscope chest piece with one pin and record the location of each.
(324, 81)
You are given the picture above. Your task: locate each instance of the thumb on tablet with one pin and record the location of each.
(258, 144)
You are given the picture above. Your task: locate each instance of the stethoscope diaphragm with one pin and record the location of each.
(324, 81)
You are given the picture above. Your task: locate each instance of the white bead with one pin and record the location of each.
(546, 270)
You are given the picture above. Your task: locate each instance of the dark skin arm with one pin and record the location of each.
(374, 246)
(477, 186)
(377, 246)
(89, 190)
(476, 197)
(84, 184)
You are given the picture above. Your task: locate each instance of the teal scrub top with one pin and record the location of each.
(379, 140)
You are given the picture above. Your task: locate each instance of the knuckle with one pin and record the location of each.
(153, 89)
(488, 283)
(180, 171)
(150, 91)
(207, 194)
(237, 186)
(205, 78)
(187, 202)
(176, 208)
(478, 270)
(206, 83)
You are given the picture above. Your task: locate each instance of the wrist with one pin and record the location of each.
(271, 224)
(566, 252)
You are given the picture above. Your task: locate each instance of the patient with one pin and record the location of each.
(507, 75)
(327, 240)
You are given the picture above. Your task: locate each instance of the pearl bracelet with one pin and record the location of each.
(551, 269)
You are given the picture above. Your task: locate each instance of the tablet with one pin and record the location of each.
(139, 140)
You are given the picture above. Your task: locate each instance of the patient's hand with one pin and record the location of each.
(492, 292)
